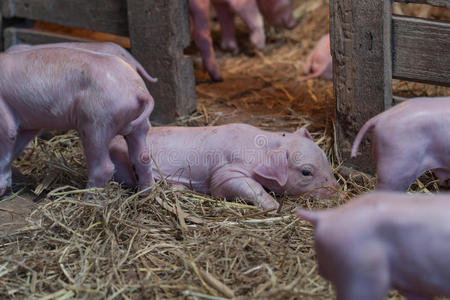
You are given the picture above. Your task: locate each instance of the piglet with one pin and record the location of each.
(235, 160)
(382, 241)
(409, 139)
(278, 12)
(319, 62)
(97, 94)
(107, 47)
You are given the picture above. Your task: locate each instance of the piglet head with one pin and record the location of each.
(278, 12)
(299, 166)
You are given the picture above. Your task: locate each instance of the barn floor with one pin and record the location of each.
(176, 245)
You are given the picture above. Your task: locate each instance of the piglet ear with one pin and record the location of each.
(274, 166)
(304, 133)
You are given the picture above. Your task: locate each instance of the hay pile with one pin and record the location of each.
(172, 244)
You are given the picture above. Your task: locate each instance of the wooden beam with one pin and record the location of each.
(159, 32)
(14, 36)
(362, 71)
(441, 3)
(109, 16)
(421, 50)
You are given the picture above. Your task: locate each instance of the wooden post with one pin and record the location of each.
(362, 70)
(2, 46)
(159, 32)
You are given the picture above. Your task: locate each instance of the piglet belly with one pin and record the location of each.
(183, 175)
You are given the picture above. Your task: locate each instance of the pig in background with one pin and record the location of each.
(409, 139)
(106, 48)
(252, 12)
(319, 62)
(235, 160)
(384, 241)
(97, 94)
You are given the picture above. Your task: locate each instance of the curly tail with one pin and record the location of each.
(366, 127)
(140, 69)
(310, 216)
(146, 101)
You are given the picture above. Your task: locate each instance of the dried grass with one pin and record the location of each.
(180, 244)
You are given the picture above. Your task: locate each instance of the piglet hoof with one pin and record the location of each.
(230, 46)
(269, 205)
(215, 76)
(258, 40)
(91, 198)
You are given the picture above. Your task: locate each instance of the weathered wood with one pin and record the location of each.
(421, 50)
(159, 32)
(362, 72)
(14, 36)
(441, 3)
(2, 45)
(108, 16)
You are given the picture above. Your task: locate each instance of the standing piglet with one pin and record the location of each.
(384, 241)
(277, 12)
(409, 139)
(319, 62)
(235, 160)
(107, 47)
(254, 13)
(99, 95)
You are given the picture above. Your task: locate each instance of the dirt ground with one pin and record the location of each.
(273, 260)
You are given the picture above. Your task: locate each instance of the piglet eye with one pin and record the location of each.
(306, 173)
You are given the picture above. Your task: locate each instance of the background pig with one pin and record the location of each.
(61, 88)
(409, 139)
(383, 241)
(199, 10)
(250, 14)
(235, 160)
(319, 62)
(277, 12)
(109, 48)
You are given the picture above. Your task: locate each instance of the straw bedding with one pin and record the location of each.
(180, 244)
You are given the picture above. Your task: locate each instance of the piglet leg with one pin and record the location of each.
(240, 186)
(249, 12)
(199, 10)
(119, 155)
(139, 155)
(96, 147)
(226, 20)
(398, 174)
(8, 136)
(23, 138)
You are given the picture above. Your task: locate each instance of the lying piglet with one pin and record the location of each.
(384, 241)
(62, 88)
(409, 139)
(319, 62)
(235, 160)
(109, 48)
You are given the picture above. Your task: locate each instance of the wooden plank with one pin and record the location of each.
(441, 3)
(14, 36)
(108, 16)
(361, 49)
(421, 50)
(159, 32)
